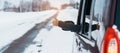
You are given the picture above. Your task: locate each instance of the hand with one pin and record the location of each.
(55, 22)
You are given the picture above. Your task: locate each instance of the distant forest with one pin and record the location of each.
(33, 5)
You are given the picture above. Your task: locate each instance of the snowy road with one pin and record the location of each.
(19, 45)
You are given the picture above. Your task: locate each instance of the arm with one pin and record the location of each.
(70, 26)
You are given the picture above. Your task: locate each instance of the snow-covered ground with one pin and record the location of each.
(55, 40)
(14, 25)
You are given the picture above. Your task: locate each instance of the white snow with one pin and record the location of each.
(14, 25)
(56, 40)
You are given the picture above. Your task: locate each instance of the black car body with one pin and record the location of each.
(106, 13)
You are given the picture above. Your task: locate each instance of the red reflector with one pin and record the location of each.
(111, 42)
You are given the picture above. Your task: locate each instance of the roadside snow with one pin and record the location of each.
(58, 41)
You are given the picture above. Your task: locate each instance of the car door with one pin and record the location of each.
(84, 38)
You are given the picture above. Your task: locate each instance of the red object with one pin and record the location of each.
(111, 43)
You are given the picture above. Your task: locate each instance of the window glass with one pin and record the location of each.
(117, 20)
(101, 12)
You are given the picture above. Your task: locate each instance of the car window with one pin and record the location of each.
(101, 11)
(117, 20)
